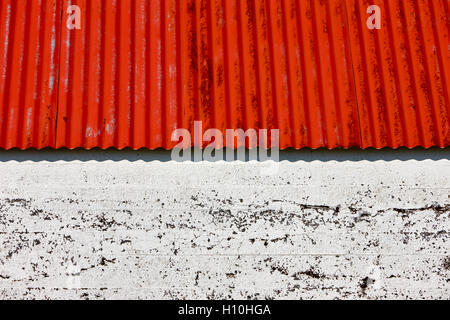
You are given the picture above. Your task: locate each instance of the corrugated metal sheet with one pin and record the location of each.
(402, 72)
(138, 69)
(29, 53)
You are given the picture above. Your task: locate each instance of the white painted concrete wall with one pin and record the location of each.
(329, 224)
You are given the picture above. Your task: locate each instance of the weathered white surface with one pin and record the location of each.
(341, 224)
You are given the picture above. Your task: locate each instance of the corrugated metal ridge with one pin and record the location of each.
(139, 69)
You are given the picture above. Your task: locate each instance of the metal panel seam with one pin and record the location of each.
(353, 74)
(59, 70)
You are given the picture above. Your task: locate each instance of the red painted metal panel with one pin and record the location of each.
(29, 49)
(138, 69)
(402, 72)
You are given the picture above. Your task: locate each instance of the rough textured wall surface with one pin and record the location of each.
(344, 224)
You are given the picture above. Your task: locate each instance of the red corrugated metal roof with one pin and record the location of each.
(402, 72)
(138, 69)
(29, 54)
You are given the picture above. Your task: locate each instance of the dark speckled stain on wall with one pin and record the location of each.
(103, 242)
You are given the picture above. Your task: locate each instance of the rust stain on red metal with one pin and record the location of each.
(402, 72)
(138, 69)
